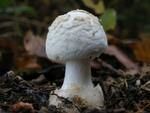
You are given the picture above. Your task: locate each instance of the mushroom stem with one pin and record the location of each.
(77, 74)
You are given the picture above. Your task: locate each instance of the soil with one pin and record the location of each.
(123, 94)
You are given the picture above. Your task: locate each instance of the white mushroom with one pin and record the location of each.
(75, 38)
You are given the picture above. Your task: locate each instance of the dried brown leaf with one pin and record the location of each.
(141, 49)
(27, 62)
(34, 45)
(121, 57)
(21, 106)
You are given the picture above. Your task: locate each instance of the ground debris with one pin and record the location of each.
(123, 94)
(15, 91)
(22, 107)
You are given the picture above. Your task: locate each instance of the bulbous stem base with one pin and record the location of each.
(78, 86)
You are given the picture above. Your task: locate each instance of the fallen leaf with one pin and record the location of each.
(141, 48)
(121, 57)
(108, 19)
(22, 106)
(97, 6)
(34, 45)
(27, 61)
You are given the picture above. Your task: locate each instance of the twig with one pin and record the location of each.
(104, 64)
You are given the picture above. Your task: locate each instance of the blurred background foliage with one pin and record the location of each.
(126, 16)
(123, 19)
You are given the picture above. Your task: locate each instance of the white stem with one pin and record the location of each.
(77, 74)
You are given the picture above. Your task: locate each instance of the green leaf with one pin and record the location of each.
(25, 10)
(108, 19)
(98, 7)
(6, 3)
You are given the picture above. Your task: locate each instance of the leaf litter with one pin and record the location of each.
(123, 94)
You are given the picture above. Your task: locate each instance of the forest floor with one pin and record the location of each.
(124, 93)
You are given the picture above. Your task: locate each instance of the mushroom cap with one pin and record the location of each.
(75, 35)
